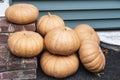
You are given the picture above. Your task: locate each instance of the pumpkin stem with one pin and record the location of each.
(99, 74)
(66, 28)
(24, 34)
(49, 14)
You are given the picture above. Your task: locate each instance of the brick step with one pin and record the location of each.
(7, 27)
(18, 75)
(12, 67)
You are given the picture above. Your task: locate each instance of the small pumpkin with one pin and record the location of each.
(59, 66)
(87, 32)
(62, 41)
(48, 22)
(25, 43)
(21, 13)
(92, 56)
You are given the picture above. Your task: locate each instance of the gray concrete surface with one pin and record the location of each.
(110, 39)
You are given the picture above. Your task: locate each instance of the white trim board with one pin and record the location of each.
(3, 6)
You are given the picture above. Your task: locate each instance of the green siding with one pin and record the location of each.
(97, 13)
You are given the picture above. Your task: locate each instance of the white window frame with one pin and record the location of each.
(3, 5)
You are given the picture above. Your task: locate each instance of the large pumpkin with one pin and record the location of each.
(59, 66)
(25, 43)
(92, 56)
(22, 13)
(48, 22)
(87, 32)
(62, 41)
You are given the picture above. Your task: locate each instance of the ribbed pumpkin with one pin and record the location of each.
(25, 43)
(62, 41)
(22, 13)
(87, 32)
(59, 66)
(48, 22)
(92, 56)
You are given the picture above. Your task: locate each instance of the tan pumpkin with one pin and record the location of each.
(21, 13)
(48, 22)
(87, 32)
(92, 56)
(62, 41)
(25, 43)
(59, 66)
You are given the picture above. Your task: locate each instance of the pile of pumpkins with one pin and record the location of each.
(57, 43)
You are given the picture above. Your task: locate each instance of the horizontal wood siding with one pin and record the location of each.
(97, 13)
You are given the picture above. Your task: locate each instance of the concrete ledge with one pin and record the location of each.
(110, 37)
